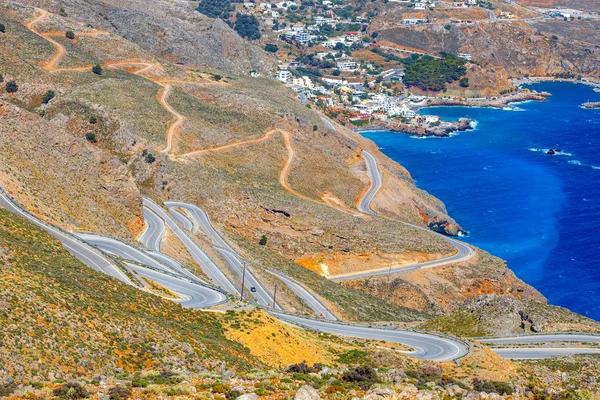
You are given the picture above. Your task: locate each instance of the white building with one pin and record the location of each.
(348, 65)
(419, 6)
(283, 76)
(302, 37)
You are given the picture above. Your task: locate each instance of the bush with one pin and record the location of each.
(6, 389)
(301, 368)
(464, 82)
(315, 128)
(49, 95)
(263, 242)
(118, 393)
(91, 137)
(2, 28)
(72, 390)
(362, 375)
(93, 120)
(97, 69)
(247, 26)
(139, 382)
(428, 73)
(447, 27)
(271, 48)
(70, 35)
(232, 394)
(1, 78)
(504, 388)
(11, 87)
(148, 157)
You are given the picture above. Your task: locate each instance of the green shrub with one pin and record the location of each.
(2, 28)
(247, 26)
(118, 393)
(71, 390)
(11, 86)
(6, 389)
(263, 242)
(97, 69)
(301, 368)
(93, 120)
(232, 394)
(362, 375)
(1, 78)
(91, 137)
(49, 95)
(139, 382)
(271, 48)
(70, 35)
(464, 82)
(504, 388)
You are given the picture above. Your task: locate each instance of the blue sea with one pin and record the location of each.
(539, 212)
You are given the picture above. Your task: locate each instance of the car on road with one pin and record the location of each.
(253, 289)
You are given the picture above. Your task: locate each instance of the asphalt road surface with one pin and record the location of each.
(545, 338)
(192, 295)
(364, 205)
(317, 306)
(200, 218)
(427, 347)
(155, 230)
(207, 265)
(535, 353)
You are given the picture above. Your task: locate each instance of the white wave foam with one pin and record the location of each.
(557, 153)
(595, 167)
(575, 162)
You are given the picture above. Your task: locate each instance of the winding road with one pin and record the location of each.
(83, 252)
(200, 218)
(170, 274)
(426, 347)
(364, 205)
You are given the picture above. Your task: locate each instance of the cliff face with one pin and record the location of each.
(509, 49)
(441, 289)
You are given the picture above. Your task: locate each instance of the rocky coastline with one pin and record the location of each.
(444, 129)
(494, 102)
(591, 105)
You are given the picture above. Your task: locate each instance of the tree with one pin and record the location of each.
(271, 48)
(215, 8)
(247, 26)
(93, 120)
(464, 82)
(2, 28)
(91, 137)
(97, 69)
(263, 240)
(70, 35)
(315, 128)
(49, 95)
(12, 87)
(1, 78)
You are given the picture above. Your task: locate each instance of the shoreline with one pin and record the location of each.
(592, 82)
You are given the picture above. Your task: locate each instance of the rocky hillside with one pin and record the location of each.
(508, 49)
(173, 31)
(501, 315)
(229, 139)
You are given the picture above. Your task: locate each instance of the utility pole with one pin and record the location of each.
(274, 296)
(243, 282)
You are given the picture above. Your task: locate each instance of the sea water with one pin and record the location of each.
(539, 212)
